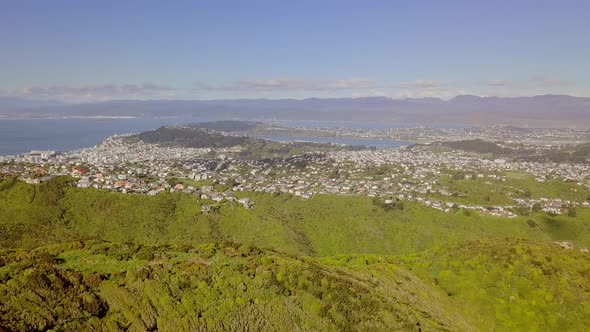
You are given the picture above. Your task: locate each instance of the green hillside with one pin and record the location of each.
(513, 284)
(324, 225)
(103, 286)
(390, 267)
(501, 284)
(189, 137)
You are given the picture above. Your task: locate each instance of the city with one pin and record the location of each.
(416, 173)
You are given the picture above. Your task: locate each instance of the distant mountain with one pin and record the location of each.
(537, 111)
(14, 103)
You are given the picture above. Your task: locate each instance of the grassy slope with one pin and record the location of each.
(322, 226)
(486, 280)
(486, 191)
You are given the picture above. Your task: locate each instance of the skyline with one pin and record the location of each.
(69, 51)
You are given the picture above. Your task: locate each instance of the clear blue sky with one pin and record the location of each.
(292, 49)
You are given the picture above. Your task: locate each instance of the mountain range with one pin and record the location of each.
(536, 111)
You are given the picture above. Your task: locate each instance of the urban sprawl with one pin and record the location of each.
(417, 173)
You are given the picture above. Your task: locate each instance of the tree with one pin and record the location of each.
(522, 210)
(333, 174)
(231, 182)
(458, 175)
(571, 212)
(173, 181)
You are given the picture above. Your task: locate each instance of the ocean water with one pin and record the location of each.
(358, 125)
(342, 124)
(20, 136)
(377, 143)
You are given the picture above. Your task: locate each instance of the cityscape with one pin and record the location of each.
(414, 173)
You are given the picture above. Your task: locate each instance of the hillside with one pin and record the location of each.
(117, 261)
(324, 225)
(544, 284)
(201, 136)
(579, 153)
(104, 286)
(502, 284)
(476, 145)
(190, 137)
(573, 153)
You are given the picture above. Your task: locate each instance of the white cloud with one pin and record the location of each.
(550, 82)
(353, 87)
(293, 87)
(425, 88)
(290, 84)
(536, 85)
(98, 91)
(421, 84)
(499, 83)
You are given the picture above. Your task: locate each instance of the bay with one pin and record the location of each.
(20, 136)
(23, 135)
(377, 143)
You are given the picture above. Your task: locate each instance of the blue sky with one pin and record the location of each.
(83, 50)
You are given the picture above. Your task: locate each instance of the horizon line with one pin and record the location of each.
(23, 98)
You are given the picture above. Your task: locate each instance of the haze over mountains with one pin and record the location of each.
(536, 111)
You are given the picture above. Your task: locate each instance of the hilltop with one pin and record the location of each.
(190, 137)
(214, 135)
